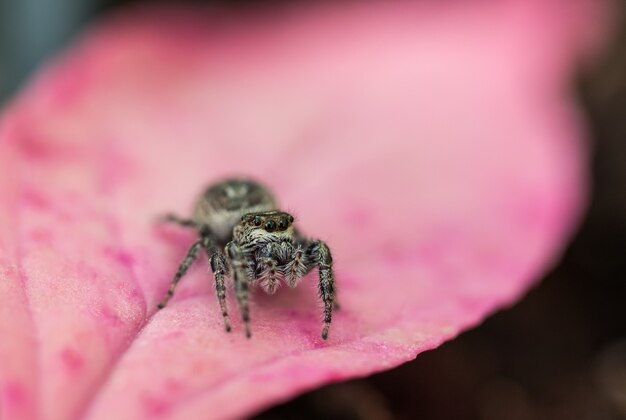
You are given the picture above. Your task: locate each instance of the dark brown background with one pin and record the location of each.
(560, 353)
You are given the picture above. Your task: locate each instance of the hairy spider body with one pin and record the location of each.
(222, 205)
(249, 240)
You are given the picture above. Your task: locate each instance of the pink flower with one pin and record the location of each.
(434, 147)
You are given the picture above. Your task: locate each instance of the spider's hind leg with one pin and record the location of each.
(172, 218)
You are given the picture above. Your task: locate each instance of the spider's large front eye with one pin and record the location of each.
(282, 223)
(270, 226)
(257, 221)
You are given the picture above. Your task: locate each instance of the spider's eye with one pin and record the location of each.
(282, 223)
(270, 225)
(290, 219)
(257, 221)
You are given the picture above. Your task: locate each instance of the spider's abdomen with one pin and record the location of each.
(222, 204)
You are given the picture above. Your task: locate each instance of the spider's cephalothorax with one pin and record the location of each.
(247, 238)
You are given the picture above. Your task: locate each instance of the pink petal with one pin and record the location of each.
(433, 147)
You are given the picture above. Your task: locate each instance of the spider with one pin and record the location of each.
(247, 238)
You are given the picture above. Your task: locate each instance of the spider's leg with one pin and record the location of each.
(169, 217)
(240, 278)
(304, 243)
(319, 254)
(217, 259)
(182, 269)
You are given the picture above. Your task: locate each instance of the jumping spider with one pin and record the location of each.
(247, 238)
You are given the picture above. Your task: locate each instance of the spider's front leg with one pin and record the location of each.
(319, 254)
(239, 267)
(217, 260)
(182, 269)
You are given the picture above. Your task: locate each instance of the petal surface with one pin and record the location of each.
(434, 148)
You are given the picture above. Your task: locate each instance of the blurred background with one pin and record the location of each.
(560, 353)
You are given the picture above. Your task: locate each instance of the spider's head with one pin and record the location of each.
(269, 223)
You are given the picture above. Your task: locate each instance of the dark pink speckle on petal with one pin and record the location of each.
(72, 360)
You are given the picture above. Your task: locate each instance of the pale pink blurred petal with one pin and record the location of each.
(435, 148)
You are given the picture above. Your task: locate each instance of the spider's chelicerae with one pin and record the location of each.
(248, 239)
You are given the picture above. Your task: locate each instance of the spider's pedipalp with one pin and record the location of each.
(296, 268)
(269, 274)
